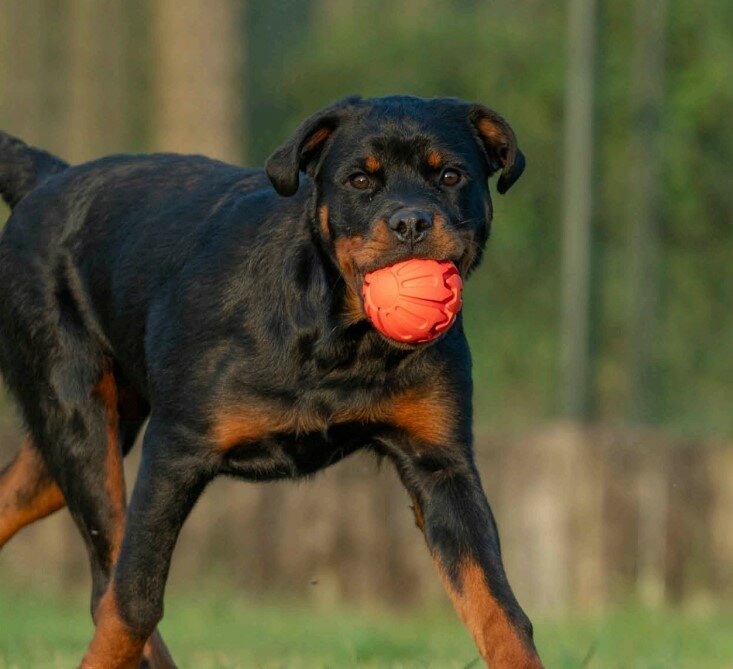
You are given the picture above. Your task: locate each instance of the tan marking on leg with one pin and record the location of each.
(157, 654)
(435, 159)
(106, 391)
(114, 645)
(27, 492)
(501, 645)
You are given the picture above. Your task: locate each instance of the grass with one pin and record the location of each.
(224, 631)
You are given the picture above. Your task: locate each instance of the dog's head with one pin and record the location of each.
(400, 177)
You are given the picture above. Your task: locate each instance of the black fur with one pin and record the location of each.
(203, 288)
(23, 167)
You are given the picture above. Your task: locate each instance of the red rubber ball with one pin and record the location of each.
(413, 301)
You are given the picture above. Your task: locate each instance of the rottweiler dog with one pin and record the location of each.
(224, 304)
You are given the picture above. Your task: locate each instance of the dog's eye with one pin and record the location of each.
(360, 180)
(450, 177)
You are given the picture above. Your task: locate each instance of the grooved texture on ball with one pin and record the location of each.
(413, 301)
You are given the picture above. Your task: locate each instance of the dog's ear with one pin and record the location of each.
(499, 144)
(305, 145)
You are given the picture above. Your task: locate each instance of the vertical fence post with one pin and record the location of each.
(578, 209)
(647, 92)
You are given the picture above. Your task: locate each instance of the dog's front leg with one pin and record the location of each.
(173, 472)
(454, 515)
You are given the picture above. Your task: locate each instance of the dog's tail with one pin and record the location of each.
(23, 167)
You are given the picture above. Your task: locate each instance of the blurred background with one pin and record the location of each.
(601, 321)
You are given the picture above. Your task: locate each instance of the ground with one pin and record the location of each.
(225, 631)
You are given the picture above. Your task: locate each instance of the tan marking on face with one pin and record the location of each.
(345, 247)
(435, 159)
(469, 254)
(106, 391)
(355, 253)
(113, 644)
(501, 645)
(323, 220)
(27, 492)
(446, 243)
(316, 138)
(372, 164)
(353, 308)
(379, 242)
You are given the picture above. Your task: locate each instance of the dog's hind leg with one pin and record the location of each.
(27, 492)
(79, 429)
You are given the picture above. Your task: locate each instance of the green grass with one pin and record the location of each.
(224, 631)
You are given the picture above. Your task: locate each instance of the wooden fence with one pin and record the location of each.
(587, 516)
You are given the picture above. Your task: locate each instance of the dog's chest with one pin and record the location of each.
(310, 413)
(277, 439)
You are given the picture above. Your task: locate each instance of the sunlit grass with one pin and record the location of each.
(220, 630)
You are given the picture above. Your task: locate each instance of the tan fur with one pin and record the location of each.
(323, 220)
(113, 645)
(372, 164)
(427, 415)
(106, 391)
(492, 132)
(499, 642)
(27, 492)
(435, 159)
(317, 137)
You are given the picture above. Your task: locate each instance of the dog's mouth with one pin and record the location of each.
(359, 257)
(414, 301)
(461, 259)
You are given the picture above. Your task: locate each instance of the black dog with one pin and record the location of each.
(190, 291)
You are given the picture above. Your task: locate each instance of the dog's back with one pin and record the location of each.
(96, 242)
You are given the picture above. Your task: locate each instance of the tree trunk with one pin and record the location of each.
(198, 57)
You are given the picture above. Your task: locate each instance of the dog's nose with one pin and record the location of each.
(410, 224)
